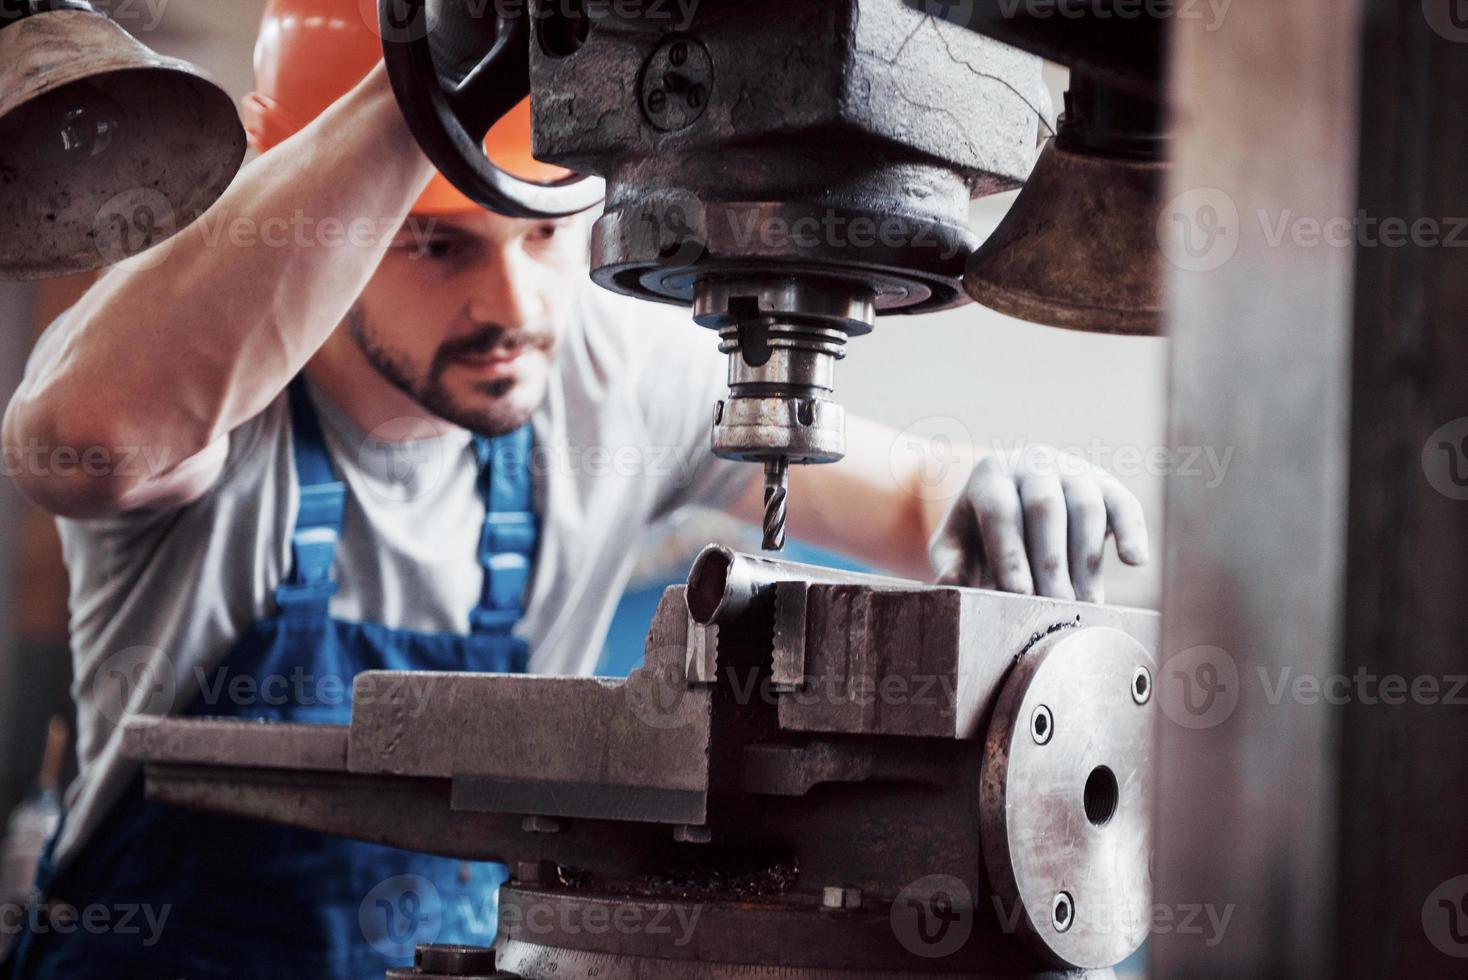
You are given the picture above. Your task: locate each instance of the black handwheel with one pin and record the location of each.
(457, 75)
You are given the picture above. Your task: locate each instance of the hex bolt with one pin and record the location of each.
(541, 825)
(1062, 911)
(1141, 685)
(1042, 725)
(840, 897)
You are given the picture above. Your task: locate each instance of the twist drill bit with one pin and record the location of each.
(777, 492)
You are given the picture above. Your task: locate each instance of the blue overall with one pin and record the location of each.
(247, 899)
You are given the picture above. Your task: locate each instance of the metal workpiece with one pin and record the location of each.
(824, 773)
(724, 584)
(1078, 864)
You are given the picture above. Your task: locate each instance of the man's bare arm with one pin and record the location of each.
(173, 353)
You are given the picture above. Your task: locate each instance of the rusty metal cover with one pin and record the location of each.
(1078, 247)
(142, 145)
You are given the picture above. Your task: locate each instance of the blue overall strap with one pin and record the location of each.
(507, 546)
(308, 588)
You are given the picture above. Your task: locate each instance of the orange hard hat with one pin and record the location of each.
(312, 52)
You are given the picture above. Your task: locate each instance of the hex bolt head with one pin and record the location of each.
(1062, 911)
(1042, 724)
(840, 897)
(1141, 685)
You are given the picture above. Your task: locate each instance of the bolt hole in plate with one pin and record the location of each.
(1066, 818)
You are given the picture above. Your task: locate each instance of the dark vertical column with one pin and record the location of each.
(1403, 802)
(1261, 320)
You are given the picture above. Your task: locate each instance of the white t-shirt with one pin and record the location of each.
(159, 598)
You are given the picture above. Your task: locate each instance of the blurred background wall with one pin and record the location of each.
(968, 375)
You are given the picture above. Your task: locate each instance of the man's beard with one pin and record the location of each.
(497, 418)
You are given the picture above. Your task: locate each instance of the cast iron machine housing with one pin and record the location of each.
(788, 171)
(814, 772)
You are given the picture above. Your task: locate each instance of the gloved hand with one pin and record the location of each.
(1035, 521)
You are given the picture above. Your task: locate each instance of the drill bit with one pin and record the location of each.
(777, 491)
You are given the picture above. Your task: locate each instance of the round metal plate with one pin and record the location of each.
(1065, 812)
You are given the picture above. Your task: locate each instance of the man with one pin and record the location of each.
(274, 544)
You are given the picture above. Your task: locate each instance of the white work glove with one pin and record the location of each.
(1035, 521)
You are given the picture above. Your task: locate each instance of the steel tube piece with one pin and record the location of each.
(724, 582)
